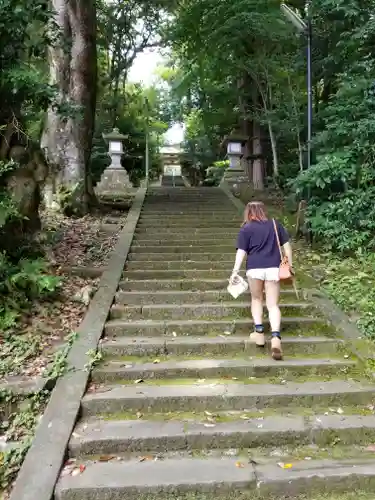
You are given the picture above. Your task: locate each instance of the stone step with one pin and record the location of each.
(179, 296)
(212, 478)
(184, 244)
(216, 397)
(215, 311)
(178, 218)
(224, 344)
(181, 257)
(183, 232)
(181, 248)
(170, 212)
(181, 264)
(293, 325)
(191, 206)
(191, 224)
(236, 368)
(168, 274)
(113, 437)
(184, 286)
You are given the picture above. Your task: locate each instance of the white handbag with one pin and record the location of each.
(238, 288)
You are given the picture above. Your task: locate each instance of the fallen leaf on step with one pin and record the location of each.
(139, 381)
(106, 458)
(371, 447)
(209, 414)
(285, 466)
(156, 361)
(146, 459)
(78, 470)
(340, 411)
(98, 389)
(240, 465)
(139, 414)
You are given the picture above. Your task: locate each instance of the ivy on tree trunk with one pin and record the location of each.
(69, 126)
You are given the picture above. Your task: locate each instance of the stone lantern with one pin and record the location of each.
(115, 179)
(235, 173)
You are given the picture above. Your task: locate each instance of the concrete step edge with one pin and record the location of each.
(144, 394)
(216, 477)
(95, 436)
(221, 368)
(208, 305)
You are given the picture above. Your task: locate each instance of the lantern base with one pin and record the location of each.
(235, 176)
(114, 181)
(234, 179)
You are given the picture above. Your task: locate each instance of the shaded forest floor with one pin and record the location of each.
(27, 349)
(35, 349)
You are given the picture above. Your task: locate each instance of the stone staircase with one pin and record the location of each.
(172, 181)
(183, 407)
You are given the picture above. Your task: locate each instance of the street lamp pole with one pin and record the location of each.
(147, 152)
(309, 84)
(306, 29)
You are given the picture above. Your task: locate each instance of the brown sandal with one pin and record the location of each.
(276, 352)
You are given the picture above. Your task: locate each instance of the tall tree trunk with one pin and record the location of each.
(68, 140)
(275, 157)
(258, 170)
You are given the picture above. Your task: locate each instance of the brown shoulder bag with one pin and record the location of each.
(285, 271)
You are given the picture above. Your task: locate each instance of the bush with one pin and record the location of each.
(22, 279)
(215, 173)
(341, 209)
(20, 284)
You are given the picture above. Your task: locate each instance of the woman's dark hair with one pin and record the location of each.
(255, 210)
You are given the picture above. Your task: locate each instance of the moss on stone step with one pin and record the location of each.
(235, 416)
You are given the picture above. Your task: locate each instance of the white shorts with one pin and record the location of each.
(268, 274)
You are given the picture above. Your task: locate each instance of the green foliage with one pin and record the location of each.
(350, 282)
(215, 173)
(342, 182)
(20, 284)
(134, 119)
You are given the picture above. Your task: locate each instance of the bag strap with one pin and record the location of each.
(278, 239)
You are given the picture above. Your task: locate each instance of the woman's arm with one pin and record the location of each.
(240, 255)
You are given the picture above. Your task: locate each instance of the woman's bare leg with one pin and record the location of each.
(272, 289)
(256, 290)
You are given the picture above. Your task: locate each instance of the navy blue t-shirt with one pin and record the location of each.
(258, 240)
